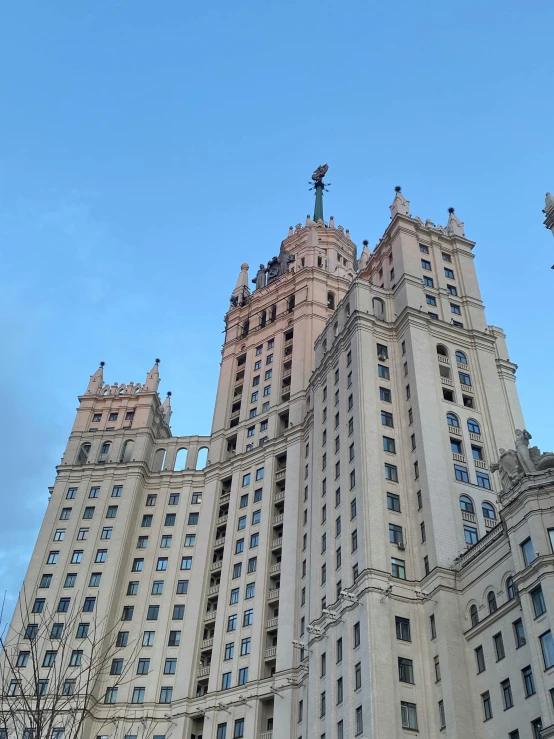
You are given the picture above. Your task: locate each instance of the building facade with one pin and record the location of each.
(350, 553)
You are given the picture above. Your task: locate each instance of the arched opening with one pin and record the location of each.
(510, 588)
(272, 313)
(181, 459)
(453, 420)
(466, 504)
(263, 318)
(473, 426)
(331, 301)
(473, 615)
(159, 460)
(488, 510)
(127, 451)
(461, 357)
(245, 328)
(442, 350)
(202, 458)
(104, 452)
(379, 309)
(491, 600)
(291, 302)
(106, 390)
(122, 390)
(84, 451)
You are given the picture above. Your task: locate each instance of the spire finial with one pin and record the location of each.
(158, 360)
(451, 210)
(169, 393)
(319, 186)
(102, 364)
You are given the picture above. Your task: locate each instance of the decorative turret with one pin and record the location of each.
(153, 378)
(399, 205)
(454, 227)
(319, 186)
(241, 293)
(166, 408)
(364, 256)
(96, 381)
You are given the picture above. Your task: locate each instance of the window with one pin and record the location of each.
(152, 613)
(94, 492)
(506, 691)
(229, 650)
(243, 675)
(82, 631)
(461, 473)
(470, 535)
(483, 479)
(237, 570)
(395, 534)
(403, 629)
(452, 420)
(389, 445)
(186, 563)
(456, 446)
(547, 646)
(239, 729)
(221, 731)
(65, 514)
(409, 715)
(437, 669)
(127, 613)
(245, 646)
(498, 647)
(391, 472)
(49, 658)
(359, 721)
(423, 534)
(442, 717)
(174, 639)
(38, 605)
(166, 695)
(143, 666)
(232, 623)
(190, 540)
(428, 281)
(234, 596)
(491, 600)
(53, 558)
(398, 568)
(254, 397)
(449, 273)
(106, 532)
(250, 590)
(528, 681)
(430, 300)
(112, 511)
(88, 605)
(116, 667)
(111, 695)
(528, 551)
(254, 540)
(138, 695)
(252, 562)
(487, 706)
(357, 635)
(101, 555)
(454, 308)
(425, 264)
(423, 249)
(536, 726)
(433, 626)
(419, 500)
(239, 546)
(466, 504)
(386, 419)
(256, 517)
(383, 372)
(385, 395)
(59, 535)
(393, 502)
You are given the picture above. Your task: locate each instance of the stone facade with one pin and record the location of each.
(345, 555)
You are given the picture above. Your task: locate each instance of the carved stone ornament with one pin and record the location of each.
(514, 465)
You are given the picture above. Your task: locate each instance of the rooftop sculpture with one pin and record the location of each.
(514, 465)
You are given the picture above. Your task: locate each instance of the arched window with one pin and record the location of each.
(291, 303)
(263, 318)
(452, 419)
(379, 309)
(510, 588)
(272, 313)
(159, 460)
(442, 350)
(202, 458)
(331, 301)
(491, 600)
(466, 504)
(104, 452)
(488, 510)
(181, 459)
(461, 357)
(473, 615)
(126, 451)
(245, 328)
(84, 451)
(473, 426)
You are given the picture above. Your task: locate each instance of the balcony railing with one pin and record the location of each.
(219, 542)
(447, 381)
(224, 497)
(213, 590)
(221, 520)
(272, 623)
(280, 474)
(490, 523)
(466, 516)
(207, 644)
(275, 568)
(455, 430)
(466, 388)
(271, 652)
(277, 542)
(480, 463)
(442, 359)
(279, 496)
(210, 616)
(474, 437)
(204, 671)
(273, 594)
(266, 735)
(278, 519)
(462, 366)
(235, 414)
(217, 565)
(458, 457)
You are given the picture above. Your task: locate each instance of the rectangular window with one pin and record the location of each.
(403, 632)
(430, 300)
(252, 562)
(186, 563)
(528, 681)
(480, 659)
(182, 587)
(409, 715)
(405, 670)
(94, 492)
(357, 634)
(71, 494)
(442, 716)
(239, 729)
(528, 551)
(106, 532)
(398, 568)
(232, 623)
(506, 691)
(519, 633)
(470, 535)
(547, 646)
(428, 281)
(385, 395)
(101, 555)
(174, 639)
(391, 472)
(88, 605)
(461, 473)
(487, 706)
(190, 540)
(393, 502)
(359, 720)
(449, 273)
(425, 264)
(389, 445)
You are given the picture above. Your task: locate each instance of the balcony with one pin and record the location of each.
(217, 565)
(207, 644)
(221, 520)
(490, 523)
(234, 414)
(277, 520)
(287, 372)
(213, 590)
(272, 623)
(204, 671)
(480, 463)
(280, 474)
(288, 342)
(442, 359)
(458, 457)
(455, 430)
(276, 543)
(466, 388)
(463, 366)
(266, 735)
(446, 380)
(474, 437)
(275, 568)
(224, 497)
(279, 496)
(210, 616)
(273, 594)
(271, 653)
(471, 517)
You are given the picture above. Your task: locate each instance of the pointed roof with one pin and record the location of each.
(454, 227)
(96, 381)
(153, 377)
(364, 256)
(399, 205)
(166, 408)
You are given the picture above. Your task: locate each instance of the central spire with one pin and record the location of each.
(319, 186)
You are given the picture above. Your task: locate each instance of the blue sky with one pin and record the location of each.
(147, 149)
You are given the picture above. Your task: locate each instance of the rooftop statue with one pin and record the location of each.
(259, 280)
(514, 465)
(320, 173)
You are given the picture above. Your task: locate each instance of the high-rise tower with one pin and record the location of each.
(349, 560)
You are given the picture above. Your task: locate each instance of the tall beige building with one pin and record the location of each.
(357, 556)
